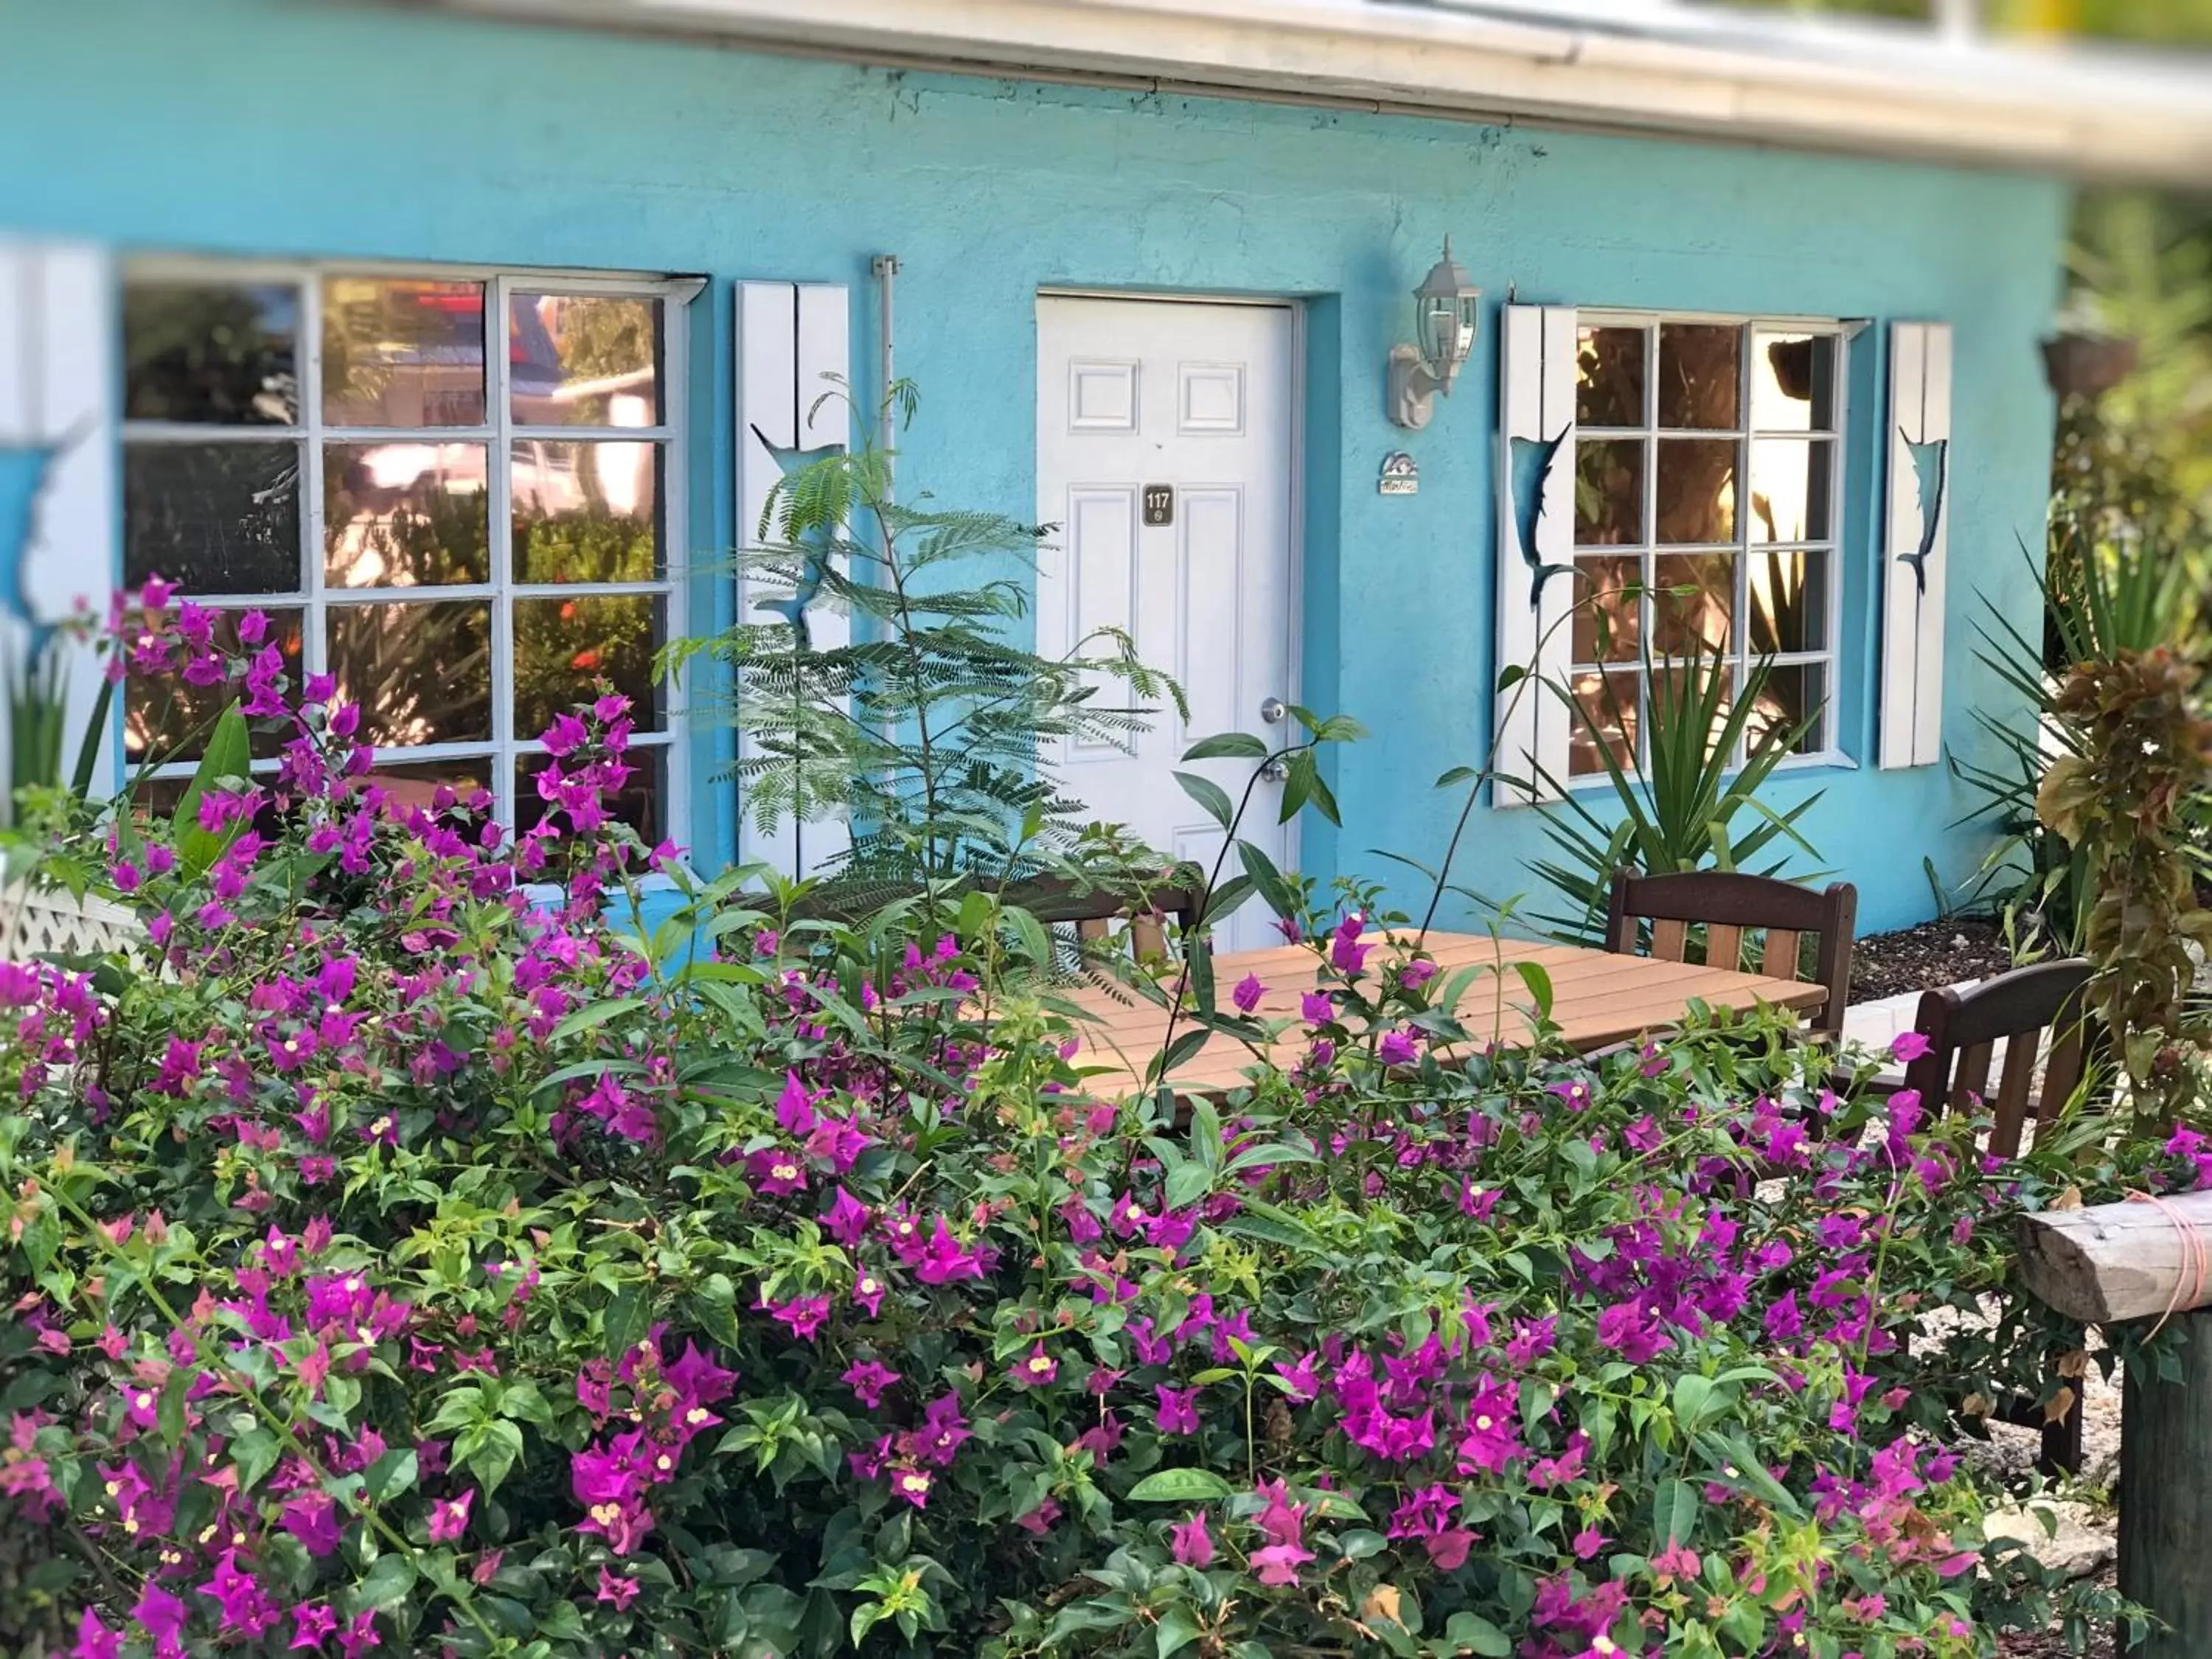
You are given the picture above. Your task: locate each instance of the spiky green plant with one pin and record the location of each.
(2102, 601)
(1677, 799)
(930, 733)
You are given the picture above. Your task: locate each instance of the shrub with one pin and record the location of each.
(403, 1257)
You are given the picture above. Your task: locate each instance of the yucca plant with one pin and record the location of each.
(930, 732)
(1679, 799)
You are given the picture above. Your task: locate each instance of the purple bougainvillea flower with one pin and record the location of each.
(1192, 1544)
(1415, 974)
(804, 1314)
(1299, 1383)
(944, 1259)
(1034, 1369)
(776, 1172)
(1040, 1519)
(1908, 1046)
(847, 1218)
(1345, 953)
(313, 1624)
(94, 1640)
(618, 1593)
(1177, 1411)
(449, 1517)
(912, 1485)
(312, 1517)
(868, 1292)
(1398, 1048)
(868, 1379)
(1315, 1008)
(161, 1615)
(1247, 994)
(1279, 1564)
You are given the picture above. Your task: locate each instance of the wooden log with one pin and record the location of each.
(2117, 1262)
(2165, 1492)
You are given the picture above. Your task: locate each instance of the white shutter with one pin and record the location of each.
(1535, 531)
(794, 343)
(58, 326)
(1917, 530)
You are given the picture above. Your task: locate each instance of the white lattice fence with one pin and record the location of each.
(35, 922)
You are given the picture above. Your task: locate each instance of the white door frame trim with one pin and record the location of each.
(1294, 646)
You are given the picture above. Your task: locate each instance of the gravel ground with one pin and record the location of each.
(1922, 958)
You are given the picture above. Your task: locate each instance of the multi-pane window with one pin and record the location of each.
(453, 493)
(1706, 502)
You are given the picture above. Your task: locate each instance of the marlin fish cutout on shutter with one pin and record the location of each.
(1931, 465)
(792, 607)
(1533, 460)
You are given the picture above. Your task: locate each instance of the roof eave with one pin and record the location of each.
(2064, 115)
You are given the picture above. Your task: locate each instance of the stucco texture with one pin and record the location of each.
(297, 128)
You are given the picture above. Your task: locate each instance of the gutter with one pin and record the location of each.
(1651, 69)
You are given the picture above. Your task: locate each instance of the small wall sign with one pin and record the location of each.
(1159, 504)
(1399, 476)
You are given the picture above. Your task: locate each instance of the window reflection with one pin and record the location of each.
(1696, 491)
(1789, 485)
(585, 512)
(217, 354)
(1609, 377)
(1609, 492)
(168, 720)
(1607, 723)
(1788, 594)
(1608, 625)
(584, 360)
(1700, 376)
(422, 673)
(1692, 602)
(405, 515)
(1793, 382)
(563, 647)
(214, 518)
(403, 352)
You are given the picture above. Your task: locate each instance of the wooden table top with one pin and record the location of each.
(1598, 999)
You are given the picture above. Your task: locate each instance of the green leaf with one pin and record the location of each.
(1539, 982)
(391, 1474)
(1210, 796)
(1674, 1512)
(1176, 1629)
(1466, 1632)
(626, 1317)
(386, 1585)
(594, 1015)
(229, 755)
(1274, 891)
(1227, 745)
(1180, 1486)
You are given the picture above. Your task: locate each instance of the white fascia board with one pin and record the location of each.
(1864, 90)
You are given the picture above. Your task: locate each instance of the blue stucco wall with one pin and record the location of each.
(294, 128)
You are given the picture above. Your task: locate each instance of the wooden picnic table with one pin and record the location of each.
(1598, 999)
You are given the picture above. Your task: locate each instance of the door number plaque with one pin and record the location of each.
(1159, 504)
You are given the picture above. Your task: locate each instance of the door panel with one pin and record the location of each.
(1137, 395)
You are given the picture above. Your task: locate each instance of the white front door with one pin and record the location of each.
(1165, 435)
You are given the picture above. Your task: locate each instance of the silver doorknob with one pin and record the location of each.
(1277, 770)
(1272, 710)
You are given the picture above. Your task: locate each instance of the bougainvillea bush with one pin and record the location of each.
(406, 1254)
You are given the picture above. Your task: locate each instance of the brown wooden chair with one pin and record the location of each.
(1731, 906)
(1963, 1028)
(1094, 910)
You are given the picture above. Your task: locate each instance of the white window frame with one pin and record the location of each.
(316, 598)
(1828, 750)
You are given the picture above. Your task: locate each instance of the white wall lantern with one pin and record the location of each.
(1446, 307)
